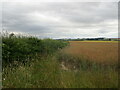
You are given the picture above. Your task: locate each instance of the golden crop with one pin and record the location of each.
(101, 51)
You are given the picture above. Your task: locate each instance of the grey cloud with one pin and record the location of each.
(57, 20)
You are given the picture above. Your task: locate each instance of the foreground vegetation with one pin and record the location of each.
(47, 73)
(42, 64)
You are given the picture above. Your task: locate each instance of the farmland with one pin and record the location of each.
(100, 51)
(29, 62)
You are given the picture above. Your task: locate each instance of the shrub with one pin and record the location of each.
(21, 48)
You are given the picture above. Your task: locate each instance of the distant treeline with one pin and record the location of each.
(99, 39)
(23, 48)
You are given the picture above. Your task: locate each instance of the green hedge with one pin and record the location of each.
(20, 48)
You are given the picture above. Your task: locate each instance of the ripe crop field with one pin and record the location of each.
(100, 51)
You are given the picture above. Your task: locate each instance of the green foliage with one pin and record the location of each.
(51, 46)
(21, 48)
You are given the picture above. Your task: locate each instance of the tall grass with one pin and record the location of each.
(80, 63)
(39, 73)
(47, 73)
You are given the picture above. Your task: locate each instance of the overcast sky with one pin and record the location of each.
(61, 19)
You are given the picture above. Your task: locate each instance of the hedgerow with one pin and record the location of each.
(21, 48)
